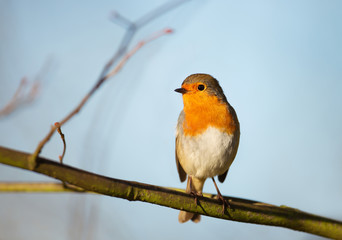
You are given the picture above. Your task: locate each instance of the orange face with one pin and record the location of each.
(203, 110)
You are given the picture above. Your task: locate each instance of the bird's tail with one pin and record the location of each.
(195, 186)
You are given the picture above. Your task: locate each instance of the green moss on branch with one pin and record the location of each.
(242, 210)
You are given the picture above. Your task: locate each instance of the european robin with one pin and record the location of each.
(207, 136)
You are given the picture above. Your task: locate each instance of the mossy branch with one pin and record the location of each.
(242, 210)
(38, 187)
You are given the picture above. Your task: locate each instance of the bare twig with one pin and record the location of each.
(133, 26)
(59, 130)
(16, 99)
(33, 93)
(136, 48)
(107, 71)
(242, 210)
(20, 96)
(118, 18)
(118, 67)
(26, 92)
(158, 12)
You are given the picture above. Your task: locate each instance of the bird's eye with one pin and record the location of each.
(201, 87)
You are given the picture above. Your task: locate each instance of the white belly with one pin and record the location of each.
(206, 155)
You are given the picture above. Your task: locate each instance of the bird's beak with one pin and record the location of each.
(181, 90)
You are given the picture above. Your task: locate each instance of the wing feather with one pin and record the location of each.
(181, 172)
(236, 140)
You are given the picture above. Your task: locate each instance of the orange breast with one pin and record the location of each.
(202, 111)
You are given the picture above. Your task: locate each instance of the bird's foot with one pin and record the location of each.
(196, 195)
(225, 203)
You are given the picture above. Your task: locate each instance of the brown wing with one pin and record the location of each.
(223, 176)
(181, 172)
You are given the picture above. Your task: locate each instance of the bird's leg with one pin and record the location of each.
(219, 195)
(192, 191)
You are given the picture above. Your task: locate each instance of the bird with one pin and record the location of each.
(207, 137)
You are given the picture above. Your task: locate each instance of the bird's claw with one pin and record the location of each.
(225, 203)
(196, 195)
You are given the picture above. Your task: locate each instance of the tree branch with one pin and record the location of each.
(59, 130)
(115, 70)
(242, 210)
(37, 187)
(110, 68)
(26, 92)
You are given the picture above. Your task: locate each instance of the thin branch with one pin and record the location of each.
(16, 99)
(118, 18)
(26, 92)
(91, 92)
(241, 210)
(123, 61)
(59, 130)
(158, 12)
(133, 26)
(20, 97)
(106, 72)
(38, 187)
(136, 48)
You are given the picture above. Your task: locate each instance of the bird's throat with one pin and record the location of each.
(204, 111)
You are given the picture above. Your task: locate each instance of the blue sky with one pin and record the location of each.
(279, 63)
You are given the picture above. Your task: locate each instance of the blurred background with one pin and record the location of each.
(279, 63)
